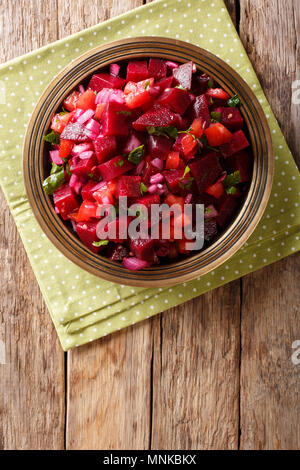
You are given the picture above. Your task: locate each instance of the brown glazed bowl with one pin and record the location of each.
(35, 161)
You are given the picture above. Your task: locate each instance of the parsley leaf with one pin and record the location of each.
(101, 243)
(168, 131)
(52, 138)
(126, 113)
(136, 155)
(143, 188)
(230, 181)
(215, 117)
(234, 101)
(55, 180)
(210, 83)
(186, 170)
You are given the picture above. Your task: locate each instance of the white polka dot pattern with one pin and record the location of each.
(83, 307)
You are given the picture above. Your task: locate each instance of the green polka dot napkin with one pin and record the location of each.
(84, 307)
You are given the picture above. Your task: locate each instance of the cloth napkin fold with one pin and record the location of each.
(84, 307)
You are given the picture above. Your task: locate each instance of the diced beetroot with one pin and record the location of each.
(158, 116)
(87, 191)
(231, 118)
(201, 109)
(210, 229)
(238, 142)
(129, 186)
(134, 140)
(87, 232)
(118, 252)
(82, 167)
(240, 162)
(165, 83)
(115, 167)
(75, 132)
(105, 147)
(114, 120)
(147, 201)
(183, 75)
(159, 146)
(137, 70)
(227, 210)
(148, 170)
(157, 68)
(200, 83)
(173, 178)
(65, 200)
(175, 99)
(116, 228)
(206, 171)
(143, 249)
(105, 80)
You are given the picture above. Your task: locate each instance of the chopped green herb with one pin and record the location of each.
(231, 190)
(63, 112)
(186, 170)
(181, 87)
(147, 85)
(136, 155)
(186, 185)
(168, 131)
(234, 101)
(210, 83)
(143, 188)
(90, 175)
(119, 163)
(230, 181)
(52, 138)
(188, 131)
(215, 117)
(204, 141)
(55, 180)
(101, 243)
(68, 169)
(208, 210)
(126, 113)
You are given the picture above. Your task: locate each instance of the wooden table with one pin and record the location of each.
(214, 373)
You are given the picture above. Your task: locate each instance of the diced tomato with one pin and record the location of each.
(217, 134)
(65, 148)
(197, 127)
(87, 100)
(71, 101)
(172, 160)
(171, 199)
(60, 121)
(216, 190)
(137, 94)
(189, 145)
(105, 194)
(99, 110)
(217, 93)
(87, 211)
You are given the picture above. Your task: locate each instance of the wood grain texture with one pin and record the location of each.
(32, 380)
(270, 401)
(196, 373)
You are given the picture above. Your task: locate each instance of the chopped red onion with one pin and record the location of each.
(222, 177)
(114, 69)
(158, 178)
(139, 168)
(77, 149)
(75, 184)
(172, 65)
(157, 163)
(77, 114)
(188, 198)
(85, 155)
(134, 264)
(110, 95)
(85, 116)
(55, 158)
(81, 89)
(152, 189)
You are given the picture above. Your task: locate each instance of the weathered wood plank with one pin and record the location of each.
(196, 373)
(270, 316)
(108, 381)
(32, 380)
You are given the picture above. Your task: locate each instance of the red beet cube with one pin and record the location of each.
(137, 70)
(238, 142)
(143, 249)
(159, 146)
(147, 201)
(87, 232)
(105, 80)
(157, 68)
(76, 132)
(200, 83)
(231, 118)
(148, 171)
(105, 147)
(87, 190)
(206, 171)
(129, 186)
(158, 116)
(183, 75)
(175, 99)
(227, 210)
(82, 167)
(118, 252)
(240, 162)
(114, 121)
(115, 167)
(134, 140)
(173, 178)
(165, 83)
(65, 200)
(201, 109)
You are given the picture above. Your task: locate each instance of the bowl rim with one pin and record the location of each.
(145, 44)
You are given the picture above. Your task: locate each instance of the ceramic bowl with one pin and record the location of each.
(36, 166)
